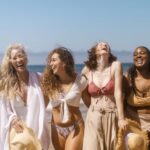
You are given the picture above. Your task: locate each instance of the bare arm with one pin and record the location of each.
(118, 74)
(85, 95)
(118, 89)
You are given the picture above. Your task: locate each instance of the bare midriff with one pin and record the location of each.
(74, 116)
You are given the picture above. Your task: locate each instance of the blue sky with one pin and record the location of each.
(42, 25)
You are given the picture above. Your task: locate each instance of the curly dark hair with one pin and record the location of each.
(132, 73)
(91, 63)
(51, 81)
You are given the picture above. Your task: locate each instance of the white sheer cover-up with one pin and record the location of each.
(34, 116)
(71, 98)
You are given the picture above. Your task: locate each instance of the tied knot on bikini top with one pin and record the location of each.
(108, 89)
(72, 98)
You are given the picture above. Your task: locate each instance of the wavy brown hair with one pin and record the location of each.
(51, 81)
(91, 63)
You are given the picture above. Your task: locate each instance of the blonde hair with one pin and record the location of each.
(9, 82)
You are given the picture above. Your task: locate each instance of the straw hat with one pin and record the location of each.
(26, 140)
(132, 139)
(135, 141)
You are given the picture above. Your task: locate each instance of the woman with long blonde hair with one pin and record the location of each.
(22, 104)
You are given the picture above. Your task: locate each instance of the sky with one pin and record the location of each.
(42, 25)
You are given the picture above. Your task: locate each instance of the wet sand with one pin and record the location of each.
(83, 110)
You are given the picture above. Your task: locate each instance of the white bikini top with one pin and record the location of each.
(20, 108)
(72, 98)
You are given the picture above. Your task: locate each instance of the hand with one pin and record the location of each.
(16, 124)
(123, 124)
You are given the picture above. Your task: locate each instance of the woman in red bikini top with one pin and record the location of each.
(104, 75)
(95, 91)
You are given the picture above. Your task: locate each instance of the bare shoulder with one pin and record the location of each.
(116, 65)
(85, 70)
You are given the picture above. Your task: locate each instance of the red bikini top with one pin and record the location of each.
(108, 89)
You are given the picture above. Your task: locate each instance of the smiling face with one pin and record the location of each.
(18, 59)
(141, 57)
(56, 64)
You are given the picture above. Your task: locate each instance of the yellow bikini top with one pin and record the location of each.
(137, 101)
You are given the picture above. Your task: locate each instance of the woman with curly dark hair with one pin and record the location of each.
(63, 88)
(138, 89)
(104, 74)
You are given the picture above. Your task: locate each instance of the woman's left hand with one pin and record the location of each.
(123, 124)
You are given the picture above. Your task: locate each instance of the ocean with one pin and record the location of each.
(78, 67)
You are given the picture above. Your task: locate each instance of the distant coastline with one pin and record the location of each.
(78, 67)
(80, 56)
(37, 61)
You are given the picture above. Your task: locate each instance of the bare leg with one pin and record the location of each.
(75, 138)
(58, 140)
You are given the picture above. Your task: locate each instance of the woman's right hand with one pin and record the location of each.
(123, 124)
(16, 124)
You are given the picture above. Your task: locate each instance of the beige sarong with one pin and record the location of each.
(100, 129)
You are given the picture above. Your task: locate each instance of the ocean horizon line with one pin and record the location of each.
(75, 64)
(79, 57)
(78, 67)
